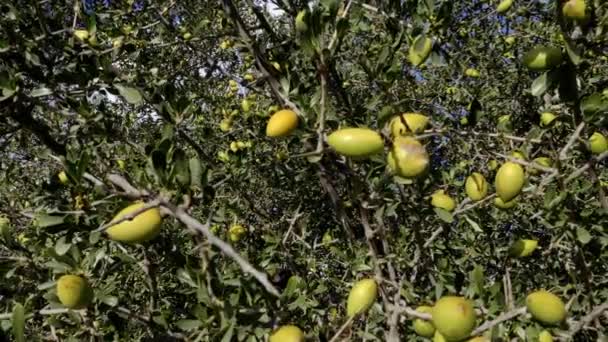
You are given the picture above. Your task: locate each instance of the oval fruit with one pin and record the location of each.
(287, 333)
(422, 327)
(236, 232)
(523, 248)
(598, 143)
(440, 199)
(575, 10)
(282, 123)
(143, 227)
(542, 58)
(454, 317)
(356, 142)
(492, 165)
(407, 157)
(518, 155)
(420, 50)
(545, 336)
(504, 6)
(543, 161)
(408, 123)
(509, 181)
(63, 177)
(476, 186)
(546, 119)
(361, 297)
(472, 72)
(546, 307)
(73, 291)
(505, 205)
(438, 337)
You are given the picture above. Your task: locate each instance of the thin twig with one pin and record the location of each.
(342, 328)
(596, 312)
(563, 154)
(502, 318)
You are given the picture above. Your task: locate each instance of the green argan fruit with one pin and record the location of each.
(439, 199)
(407, 157)
(523, 248)
(422, 327)
(143, 227)
(454, 317)
(438, 337)
(543, 58)
(505, 205)
(356, 142)
(575, 10)
(598, 143)
(287, 333)
(74, 291)
(416, 123)
(545, 336)
(546, 307)
(509, 181)
(361, 297)
(504, 6)
(543, 161)
(547, 118)
(476, 186)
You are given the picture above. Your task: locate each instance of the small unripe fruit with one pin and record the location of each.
(522, 248)
(441, 200)
(542, 161)
(63, 178)
(287, 333)
(505, 205)
(73, 291)
(546, 307)
(504, 6)
(545, 336)
(543, 58)
(236, 232)
(361, 297)
(422, 327)
(598, 143)
(472, 72)
(81, 34)
(546, 119)
(476, 186)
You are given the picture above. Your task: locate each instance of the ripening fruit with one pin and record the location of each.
(504, 205)
(236, 232)
(63, 177)
(121, 164)
(407, 157)
(472, 72)
(73, 291)
(249, 77)
(420, 50)
(542, 58)
(282, 123)
(598, 143)
(245, 105)
(301, 25)
(509, 181)
(454, 317)
(361, 297)
(422, 327)
(287, 333)
(546, 307)
(226, 44)
(543, 161)
(438, 337)
(546, 119)
(545, 336)
(504, 6)
(143, 227)
(476, 186)
(234, 85)
(81, 34)
(356, 142)
(492, 165)
(518, 155)
(226, 125)
(187, 36)
(523, 248)
(414, 123)
(575, 9)
(441, 200)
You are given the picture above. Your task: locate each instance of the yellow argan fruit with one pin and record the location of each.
(287, 333)
(234, 85)
(472, 72)
(407, 157)
(416, 123)
(523, 248)
(245, 105)
(226, 125)
(479, 339)
(505, 205)
(420, 50)
(282, 123)
(440, 199)
(575, 10)
(518, 155)
(545, 336)
(361, 297)
(73, 291)
(598, 143)
(301, 25)
(492, 165)
(143, 227)
(454, 317)
(546, 307)
(356, 142)
(543, 161)
(547, 118)
(422, 327)
(476, 186)
(236, 232)
(81, 34)
(121, 164)
(63, 177)
(504, 6)
(509, 181)
(437, 337)
(249, 77)
(542, 58)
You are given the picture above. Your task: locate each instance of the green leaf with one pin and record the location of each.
(188, 324)
(181, 168)
(18, 321)
(61, 246)
(583, 235)
(473, 224)
(130, 94)
(574, 52)
(196, 173)
(39, 92)
(229, 333)
(444, 215)
(540, 85)
(477, 278)
(44, 220)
